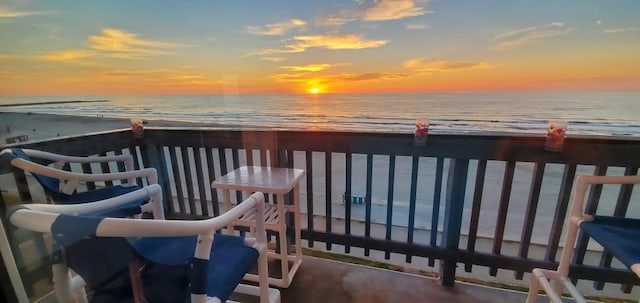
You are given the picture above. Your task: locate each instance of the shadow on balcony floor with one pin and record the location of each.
(321, 280)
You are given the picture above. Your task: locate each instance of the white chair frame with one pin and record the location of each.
(71, 180)
(39, 217)
(543, 277)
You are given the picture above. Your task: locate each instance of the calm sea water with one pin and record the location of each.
(588, 113)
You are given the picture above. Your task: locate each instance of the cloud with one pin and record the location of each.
(273, 59)
(307, 68)
(420, 65)
(334, 21)
(333, 42)
(415, 26)
(393, 10)
(124, 45)
(276, 28)
(621, 30)
(9, 13)
(343, 77)
(520, 37)
(348, 77)
(67, 55)
(337, 42)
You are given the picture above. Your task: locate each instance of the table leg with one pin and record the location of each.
(226, 205)
(282, 232)
(296, 215)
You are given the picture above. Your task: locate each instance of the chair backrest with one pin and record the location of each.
(50, 185)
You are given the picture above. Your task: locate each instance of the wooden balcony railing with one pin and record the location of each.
(435, 201)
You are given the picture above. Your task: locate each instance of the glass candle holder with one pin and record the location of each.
(137, 127)
(556, 132)
(421, 132)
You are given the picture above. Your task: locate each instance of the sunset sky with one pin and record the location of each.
(352, 46)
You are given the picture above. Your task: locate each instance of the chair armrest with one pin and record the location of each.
(72, 179)
(126, 158)
(39, 217)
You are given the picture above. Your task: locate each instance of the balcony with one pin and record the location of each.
(462, 207)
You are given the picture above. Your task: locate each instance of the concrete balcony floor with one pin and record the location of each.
(321, 280)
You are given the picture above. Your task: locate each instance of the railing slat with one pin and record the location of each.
(188, 181)
(530, 213)
(390, 190)
(104, 166)
(212, 177)
(415, 161)
(367, 200)
(177, 179)
(86, 169)
(435, 216)
(328, 172)
(197, 158)
(347, 203)
(481, 171)
(309, 184)
(263, 158)
(249, 155)
(561, 211)
(507, 182)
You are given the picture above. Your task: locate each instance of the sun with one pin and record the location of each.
(314, 90)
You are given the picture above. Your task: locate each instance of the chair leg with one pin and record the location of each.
(136, 282)
(534, 287)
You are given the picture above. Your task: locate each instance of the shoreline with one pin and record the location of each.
(52, 102)
(40, 126)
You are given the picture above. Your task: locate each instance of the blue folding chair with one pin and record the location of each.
(61, 186)
(145, 260)
(618, 235)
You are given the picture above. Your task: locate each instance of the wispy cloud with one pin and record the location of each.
(621, 30)
(9, 13)
(332, 42)
(520, 37)
(308, 68)
(393, 10)
(337, 42)
(342, 77)
(334, 21)
(276, 29)
(349, 77)
(416, 26)
(273, 59)
(67, 55)
(125, 45)
(421, 65)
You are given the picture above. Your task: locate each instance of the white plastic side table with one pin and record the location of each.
(269, 180)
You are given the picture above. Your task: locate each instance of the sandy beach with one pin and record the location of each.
(47, 126)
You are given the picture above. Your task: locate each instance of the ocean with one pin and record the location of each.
(588, 113)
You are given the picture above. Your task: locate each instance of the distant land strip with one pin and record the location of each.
(52, 102)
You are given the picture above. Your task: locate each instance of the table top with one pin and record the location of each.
(275, 180)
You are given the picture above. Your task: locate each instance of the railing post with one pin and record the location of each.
(151, 157)
(456, 187)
